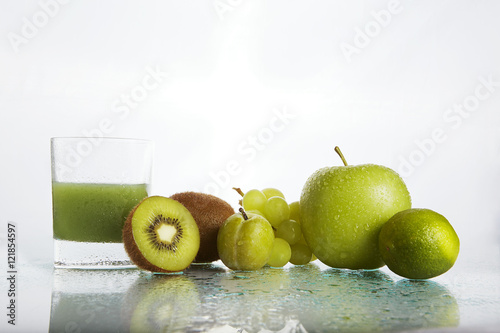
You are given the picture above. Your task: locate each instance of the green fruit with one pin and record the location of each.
(295, 211)
(254, 199)
(245, 241)
(161, 235)
(290, 231)
(301, 254)
(276, 210)
(342, 210)
(280, 254)
(418, 244)
(273, 192)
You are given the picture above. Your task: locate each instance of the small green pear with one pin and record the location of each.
(245, 241)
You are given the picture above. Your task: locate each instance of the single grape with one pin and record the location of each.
(280, 254)
(301, 254)
(302, 240)
(254, 200)
(272, 192)
(295, 211)
(276, 210)
(255, 211)
(290, 231)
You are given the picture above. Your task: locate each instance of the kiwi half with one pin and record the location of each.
(209, 212)
(161, 235)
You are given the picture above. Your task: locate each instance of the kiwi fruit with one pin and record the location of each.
(160, 235)
(209, 212)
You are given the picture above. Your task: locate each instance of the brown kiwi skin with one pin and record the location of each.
(209, 212)
(131, 247)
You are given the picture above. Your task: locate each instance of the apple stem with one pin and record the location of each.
(242, 211)
(240, 192)
(337, 149)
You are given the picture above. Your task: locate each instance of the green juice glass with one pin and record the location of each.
(96, 182)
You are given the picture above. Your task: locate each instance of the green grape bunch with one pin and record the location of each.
(289, 244)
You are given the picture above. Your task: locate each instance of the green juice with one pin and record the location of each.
(93, 212)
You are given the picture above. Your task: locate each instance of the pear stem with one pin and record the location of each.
(242, 211)
(240, 192)
(337, 149)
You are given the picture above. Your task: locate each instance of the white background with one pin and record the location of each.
(227, 68)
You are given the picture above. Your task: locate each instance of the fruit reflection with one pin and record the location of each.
(210, 297)
(424, 304)
(161, 303)
(366, 301)
(254, 300)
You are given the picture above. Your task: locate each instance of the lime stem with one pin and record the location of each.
(242, 211)
(337, 149)
(240, 192)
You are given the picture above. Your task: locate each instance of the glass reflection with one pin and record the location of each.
(209, 297)
(89, 300)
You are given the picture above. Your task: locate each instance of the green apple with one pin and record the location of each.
(342, 210)
(245, 241)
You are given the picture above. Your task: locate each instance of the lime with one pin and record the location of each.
(418, 244)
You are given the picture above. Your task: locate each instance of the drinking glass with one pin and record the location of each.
(96, 182)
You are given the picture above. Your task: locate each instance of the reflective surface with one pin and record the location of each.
(311, 298)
